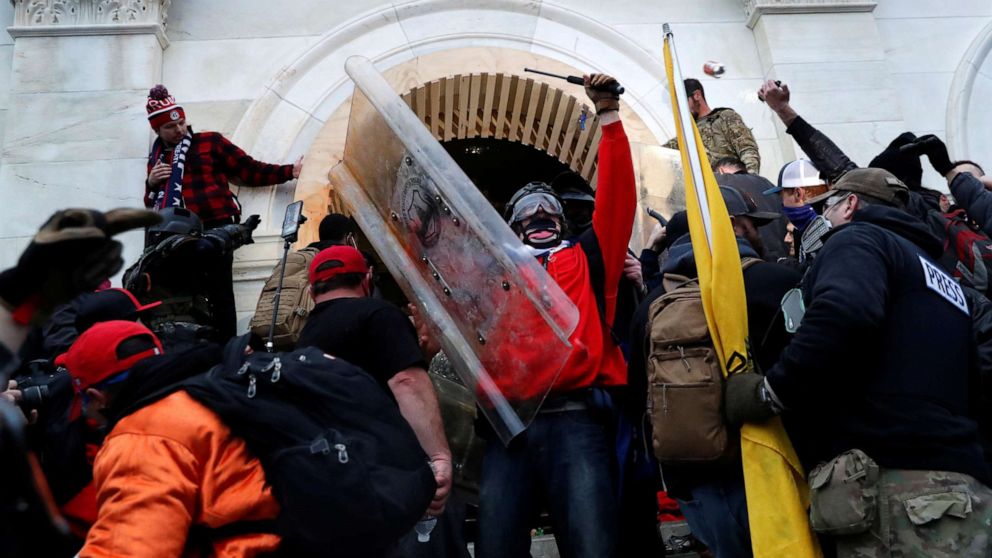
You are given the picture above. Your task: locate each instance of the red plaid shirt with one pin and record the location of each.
(210, 162)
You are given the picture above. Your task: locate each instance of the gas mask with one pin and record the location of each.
(543, 231)
(812, 239)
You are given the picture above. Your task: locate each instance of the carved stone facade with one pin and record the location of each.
(756, 8)
(74, 73)
(89, 17)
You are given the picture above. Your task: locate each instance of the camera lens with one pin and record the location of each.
(34, 397)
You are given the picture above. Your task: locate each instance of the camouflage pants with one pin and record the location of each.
(926, 514)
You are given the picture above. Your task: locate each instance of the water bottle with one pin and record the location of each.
(426, 525)
(424, 528)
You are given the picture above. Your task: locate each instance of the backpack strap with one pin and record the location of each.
(672, 281)
(748, 261)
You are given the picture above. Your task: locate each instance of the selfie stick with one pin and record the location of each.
(614, 88)
(289, 240)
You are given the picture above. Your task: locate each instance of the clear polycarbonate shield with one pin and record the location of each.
(501, 319)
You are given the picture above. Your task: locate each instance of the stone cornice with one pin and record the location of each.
(756, 8)
(59, 18)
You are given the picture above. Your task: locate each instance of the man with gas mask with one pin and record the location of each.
(564, 458)
(578, 202)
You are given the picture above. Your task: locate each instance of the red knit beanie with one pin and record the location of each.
(162, 107)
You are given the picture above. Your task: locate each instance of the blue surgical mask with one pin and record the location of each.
(800, 217)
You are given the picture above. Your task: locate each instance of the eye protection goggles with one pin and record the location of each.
(834, 201)
(529, 205)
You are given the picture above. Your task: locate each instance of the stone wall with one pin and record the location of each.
(926, 48)
(74, 75)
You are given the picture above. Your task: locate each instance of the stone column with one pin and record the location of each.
(831, 55)
(76, 133)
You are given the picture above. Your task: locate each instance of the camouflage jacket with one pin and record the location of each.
(725, 135)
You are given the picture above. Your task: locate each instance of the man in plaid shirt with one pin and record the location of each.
(211, 160)
(192, 170)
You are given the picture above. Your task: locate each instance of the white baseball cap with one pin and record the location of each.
(797, 174)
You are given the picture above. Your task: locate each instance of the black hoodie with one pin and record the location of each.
(884, 359)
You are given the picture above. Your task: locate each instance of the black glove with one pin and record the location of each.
(251, 223)
(936, 152)
(72, 253)
(744, 401)
(230, 237)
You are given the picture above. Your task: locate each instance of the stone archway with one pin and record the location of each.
(541, 112)
(304, 109)
(968, 109)
(511, 108)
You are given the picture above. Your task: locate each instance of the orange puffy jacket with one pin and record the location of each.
(170, 467)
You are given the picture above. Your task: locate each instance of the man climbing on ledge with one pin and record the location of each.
(191, 169)
(723, 131)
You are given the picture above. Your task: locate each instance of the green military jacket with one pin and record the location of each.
(725, 135)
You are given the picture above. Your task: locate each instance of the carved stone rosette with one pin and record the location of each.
(756, 8)
(89, 17)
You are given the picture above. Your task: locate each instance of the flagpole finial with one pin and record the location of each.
(666, 29)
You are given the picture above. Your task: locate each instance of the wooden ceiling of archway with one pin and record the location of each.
(508, 107)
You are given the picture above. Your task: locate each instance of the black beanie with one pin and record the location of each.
(906, 166)
(335, 227)
(678, 226)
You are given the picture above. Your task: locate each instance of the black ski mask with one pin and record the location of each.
(542, 233)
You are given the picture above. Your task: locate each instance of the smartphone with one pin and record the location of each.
(292, 221)
(793, 309)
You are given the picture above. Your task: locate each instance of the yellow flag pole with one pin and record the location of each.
(777, 495)
(686, 125)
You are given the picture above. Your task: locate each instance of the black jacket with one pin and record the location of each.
(884, 359)
(923, 203)
(764, 286)
(829, 159)
(981, 325)
(971, 194)
(772, 234)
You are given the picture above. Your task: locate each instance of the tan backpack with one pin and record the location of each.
(295, 302)
(685, 382)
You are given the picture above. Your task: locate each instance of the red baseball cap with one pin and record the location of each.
(336, 260)
(107, 349)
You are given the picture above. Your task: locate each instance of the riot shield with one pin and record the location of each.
(501, 319)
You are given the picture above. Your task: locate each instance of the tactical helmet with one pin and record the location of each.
(175, 220)
(570, 186)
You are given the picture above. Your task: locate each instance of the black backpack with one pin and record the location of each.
(344, 465)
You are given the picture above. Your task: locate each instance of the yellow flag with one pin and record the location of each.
(777, 494)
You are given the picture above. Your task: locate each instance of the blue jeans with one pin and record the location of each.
(563, 460)
(717, 516)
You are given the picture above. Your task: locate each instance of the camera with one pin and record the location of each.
(43, 383)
